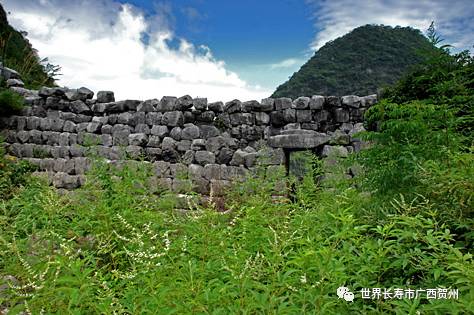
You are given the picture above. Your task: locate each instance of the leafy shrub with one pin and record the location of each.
(13, 173)
(10, 102)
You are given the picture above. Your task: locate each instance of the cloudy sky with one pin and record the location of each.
(209, 48)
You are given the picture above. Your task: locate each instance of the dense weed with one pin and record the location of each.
(115, 246)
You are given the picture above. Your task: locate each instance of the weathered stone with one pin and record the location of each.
(63, 180)
(190, 132)
(167, 104)
(213, 171)
(289, 115)
(120, 137)
(105, 97)
(101, 119)
(213, 144)
(94, 127)
(277, 119)
(250, 106)
(184, 102)
(238, 158)
(170, 155)
(293, 139)
(188, 117)
(79, 94)
(351, 101)
(125, 118)
(333, 101)
(137, 139)
(283, 103)
(204, 157)
(339, 138)
(224, 156)
(15, 82)
(341, 115)
(134, 152)
(321, 116)
(188, 157)
(207, 116)
(153, 118)
(198, 144)
(147, 106)
(334, 151)
(142, 128)
(269, 156)
(262, 118)
(154, 142)
(106, 129)
(195, 171)
(301, 102)
(219, 187)
(303, 115)
(183, 145)
(173, 119)
(106, 140)
(208, 131)
(35, 137)
(175, 133)
(168, 143)
(368, 100)
(161, 131)
(310, 126)
(267, 105)
(217, 107)
(316, 102)
(8, 73)
(233, 106)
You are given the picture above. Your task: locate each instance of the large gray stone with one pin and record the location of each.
(341, 115)
(167, 104)
(190, 132)
(138, 139)
(303, 115)
(217, 107)
(153, 118)
(184, 102)
(175, 133)
(79, 107)
(173, 119)
(316, 102)
(208, 131)
(213, 144)
(351, 101)
(79, 94)
(283, 103)
(289, 115)
(298, 139)
(148, 106)
(200, 104)
(105, 97)
(267, 105)
(161, 131)
(233, 106)
(334, 151)
(204, 157)
(301, 102)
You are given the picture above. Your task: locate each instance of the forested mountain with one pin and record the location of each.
(360, 62)
(17, 53)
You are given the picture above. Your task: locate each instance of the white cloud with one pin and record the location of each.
(287, 63)
(99, 45)
(453, 19)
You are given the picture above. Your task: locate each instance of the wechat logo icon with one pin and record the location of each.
(344, 293)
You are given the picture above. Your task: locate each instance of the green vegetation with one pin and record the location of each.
(361, 62)
(10, 102)
(118, 246)
(17, 53)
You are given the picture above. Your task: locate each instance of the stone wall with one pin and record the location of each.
(210, 143)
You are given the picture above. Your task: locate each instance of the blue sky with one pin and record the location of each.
(220, 49)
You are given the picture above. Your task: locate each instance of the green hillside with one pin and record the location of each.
(17, 53)
(359, 62)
